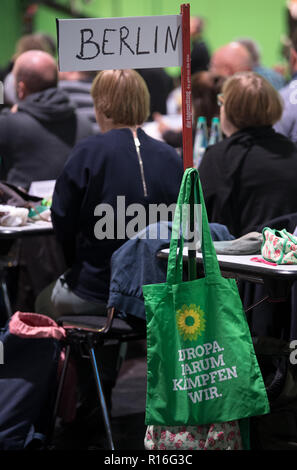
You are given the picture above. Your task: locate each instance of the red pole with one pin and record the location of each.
(186, 88)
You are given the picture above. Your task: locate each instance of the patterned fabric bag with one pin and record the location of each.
(218, 436)
(279, 246)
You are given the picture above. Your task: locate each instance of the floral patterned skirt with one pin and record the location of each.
(218, 436)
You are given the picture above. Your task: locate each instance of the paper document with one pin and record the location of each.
(43, 189)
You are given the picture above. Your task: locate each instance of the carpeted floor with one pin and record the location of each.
(129, 405)
(127, 414)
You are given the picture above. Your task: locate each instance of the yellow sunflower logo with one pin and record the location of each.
(190, 322)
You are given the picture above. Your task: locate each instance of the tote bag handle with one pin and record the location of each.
(190, 185)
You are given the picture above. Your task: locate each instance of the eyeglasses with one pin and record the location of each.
(220, 99)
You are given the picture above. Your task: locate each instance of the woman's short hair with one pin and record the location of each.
(122, 95)
(251, 101)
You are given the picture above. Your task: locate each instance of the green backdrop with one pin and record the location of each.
(263, 20)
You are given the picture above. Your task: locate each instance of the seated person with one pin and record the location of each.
(275, 78)
(121, 161)
(250, 176)
(36, 137)
(159, 84)
(38, 133)
(287, 125)
(78, 87)
(205, 87)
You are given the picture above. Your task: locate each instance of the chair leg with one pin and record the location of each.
(101, 398)
(58, 397)
(5, 295)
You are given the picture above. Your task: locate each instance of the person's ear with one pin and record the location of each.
(104, 123)
(21, 90)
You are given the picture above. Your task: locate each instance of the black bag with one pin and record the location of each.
(278, 429)
(28, 381)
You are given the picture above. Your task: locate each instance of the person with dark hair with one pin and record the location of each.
(159, 84)
(200, 56)
(250, 176)
(287, 125)
(205, 87)
(37, 134)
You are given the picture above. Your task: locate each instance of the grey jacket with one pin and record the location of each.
(287, 125)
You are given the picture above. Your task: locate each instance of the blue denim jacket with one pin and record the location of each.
(136, 263)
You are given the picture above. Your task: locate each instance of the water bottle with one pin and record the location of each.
(201, 141)
(215, 131)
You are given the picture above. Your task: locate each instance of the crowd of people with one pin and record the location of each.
(84, 130)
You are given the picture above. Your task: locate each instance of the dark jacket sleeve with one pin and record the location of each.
(173, 138)
(220, 175)
(210, 177)
(4, 138)
(67, 201)
(216, 173)
(5, 142)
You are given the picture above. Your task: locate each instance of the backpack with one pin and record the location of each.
(30, 348)
(278, 429)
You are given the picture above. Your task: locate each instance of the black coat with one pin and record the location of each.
(159, 84)
(200, 56)
(249, 178)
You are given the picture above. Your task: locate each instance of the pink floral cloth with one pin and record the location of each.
(218, 436)
(279, 246)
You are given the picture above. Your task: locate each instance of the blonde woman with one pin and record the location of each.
(121, 161)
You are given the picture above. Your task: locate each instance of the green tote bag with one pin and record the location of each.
(201, 363)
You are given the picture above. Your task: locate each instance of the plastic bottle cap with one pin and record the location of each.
(215, 119)
(202, 119)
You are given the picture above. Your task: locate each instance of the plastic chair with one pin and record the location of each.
(88, 332)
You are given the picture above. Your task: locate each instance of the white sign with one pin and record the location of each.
(42, 188)
(119, 43)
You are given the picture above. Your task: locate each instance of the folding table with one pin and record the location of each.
(277, 280)
(15, 234)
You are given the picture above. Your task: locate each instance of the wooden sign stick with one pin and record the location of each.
(188, 123)
(186, 89)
